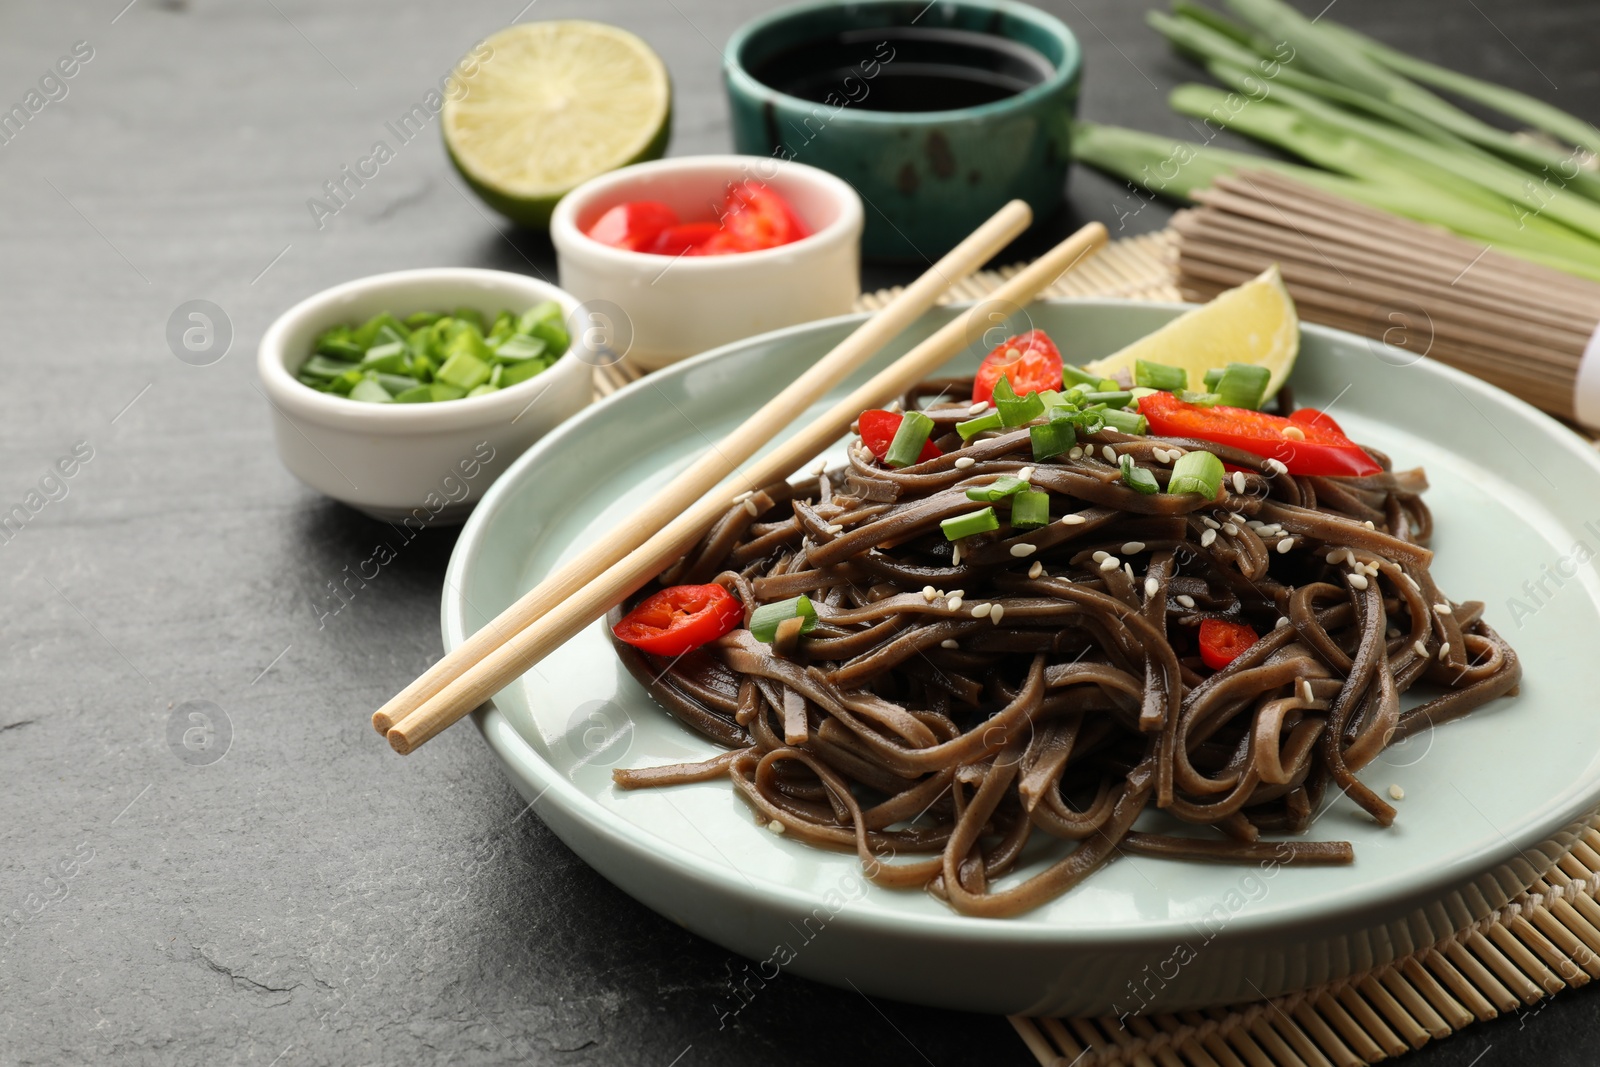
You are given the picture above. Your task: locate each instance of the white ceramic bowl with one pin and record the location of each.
(674, 308)
(415, 463)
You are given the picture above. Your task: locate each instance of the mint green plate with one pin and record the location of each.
(1489, 801)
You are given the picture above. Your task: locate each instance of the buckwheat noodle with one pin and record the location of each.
(950, 706)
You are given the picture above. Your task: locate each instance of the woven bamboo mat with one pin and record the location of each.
(1546, 940)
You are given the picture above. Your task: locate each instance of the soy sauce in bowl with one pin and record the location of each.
(911, 68)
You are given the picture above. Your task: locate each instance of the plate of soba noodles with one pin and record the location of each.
(1049, 692)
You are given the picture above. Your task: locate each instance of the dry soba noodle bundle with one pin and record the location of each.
(956, 699)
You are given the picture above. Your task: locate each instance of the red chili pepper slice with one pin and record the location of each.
(878, 428)
(755, 217)
(1035, 368)
(1317, 445)
(634, 225)
(684, 239)
(1223, 642)
(680, 619)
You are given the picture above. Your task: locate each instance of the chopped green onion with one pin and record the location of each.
(396, 383)
(1136, 477)
(323, 367)
(765, 619)
(1114, 398)
(418, 320)
(446, 391)
(495, 373)
(1071, 376)
(1030, 510)
(1126, 421)
(518, 347)
(471, 315)
(1197, 472)
(1016, 412)
(336, 344)
(418, 394)
(483, 390)
(1201, 400)
(516, 373)
(465, 370)
(1002, 487)
(1053, 438)
(1243, 385)
(371, 392)
(1159, 376)
(909, 439)
(973, 427)
(389, 358)
(966, 525)
(1213, 379)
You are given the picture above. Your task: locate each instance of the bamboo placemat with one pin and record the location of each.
(1546, 940)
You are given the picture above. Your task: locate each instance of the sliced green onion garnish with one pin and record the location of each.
(518, 348)
(418, 394)
(1052, 399)
(483, 390)
(1071, 376)
(1136, 477)
(1197, 472)
(1052, 438)
(765, 619)
(1108, 385)
(1243, 385)
(966, 525)
(1114, 398)
(973, 427)
(1002, 391)
(1125, 421)
(1002, 487)
(1030, 510)
(909, 439)
(396, 383)
(323, 367)
(446, 391)
(464, 370)
(1159, 376)
(1020, 412)
(1201, 400)
(388, 358)
(336, 344)
(1213, 379)
(370, 391)
(521, 372)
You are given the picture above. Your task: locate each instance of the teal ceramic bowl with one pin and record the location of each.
(928, 177)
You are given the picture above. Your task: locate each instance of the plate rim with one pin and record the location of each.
(514, 751)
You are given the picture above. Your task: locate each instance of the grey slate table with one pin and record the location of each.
(310, 898)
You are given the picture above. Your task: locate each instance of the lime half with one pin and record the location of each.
(1252, 323)
(553, 105)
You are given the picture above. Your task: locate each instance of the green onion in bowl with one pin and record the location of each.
(434, 356)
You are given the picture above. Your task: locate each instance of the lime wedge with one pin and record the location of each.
(553, 105)
(1253, 323)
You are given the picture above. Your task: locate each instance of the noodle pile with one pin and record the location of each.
(957, 699)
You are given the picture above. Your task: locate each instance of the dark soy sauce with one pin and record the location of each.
(905, 68)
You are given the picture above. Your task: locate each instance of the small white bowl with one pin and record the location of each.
(672, 308)
(421, 464)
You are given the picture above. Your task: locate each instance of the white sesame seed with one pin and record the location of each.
(894, 405)
(955, 556)
(954, 603)
(1132, 548)
(981, 611)
(1368, 525)
(1276, 466)
(1025, 473)
(1037, 569)
(1413, 582)
(1100, 556)
(750, 506)
(1255, 524)
(949, 643)
(1358, 581)
(1076, 453)
(1236, 517)
(1128, 567)
(775, 826)
(746, 495)
(1073, 519)
(1444, 651)
(1285, 545)
(1024, 549)
(963, 462)
(1238, 481)
(1442, 609)
(1207, 537)
(1372, 570)
(834, 528)
(929, 593)
(994, 616)
(1419, 648)
(1109, 452)
(1012, 355)
(1110, 563)
(1294, 433)
(1231, 529)
(1283, 620)
(1151, 587)
(1334, 557)
(1211, 524)
(1184, 600)
(1396, 793)
(979, 408)
(1305, 691)
(958, 593)
(1160, 455)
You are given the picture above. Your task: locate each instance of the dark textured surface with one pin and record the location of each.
(310, 898)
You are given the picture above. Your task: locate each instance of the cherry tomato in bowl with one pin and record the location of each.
(1029, 361)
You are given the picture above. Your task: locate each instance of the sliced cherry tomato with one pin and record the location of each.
(634, 225)
(877, 433)
(1316, 445)
(1223, 642)
(684, 239)
(1035, 367)
(680, 619)
(755, 217)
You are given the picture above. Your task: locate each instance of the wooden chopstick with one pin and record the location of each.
(718, 463)
(498, 668)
